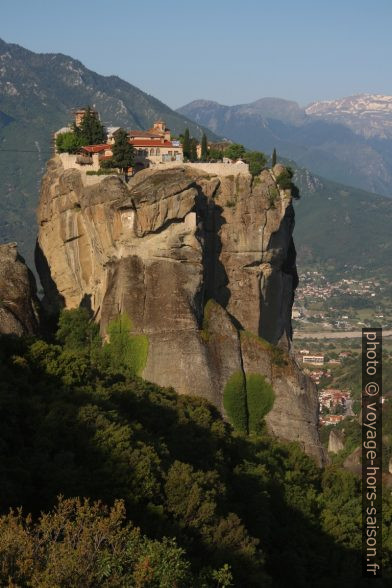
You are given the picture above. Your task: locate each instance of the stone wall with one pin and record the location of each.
(68, 161)
(218, 169)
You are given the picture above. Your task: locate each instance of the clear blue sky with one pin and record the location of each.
(224, 50)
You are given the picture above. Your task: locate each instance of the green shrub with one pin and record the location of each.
(256, 160)
(68, 142)
(76, 330)
(260, 398)
(234, 402)
(235, 151)
(204, 332)
(285, 182)
(124, 349)
(273, 195)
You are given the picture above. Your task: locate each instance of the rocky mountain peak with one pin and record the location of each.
(359, 104)
(369, 115)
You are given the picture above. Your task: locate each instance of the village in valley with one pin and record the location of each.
(328, 314)
(341, 302)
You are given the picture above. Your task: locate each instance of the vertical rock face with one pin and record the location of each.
(19, 306)
(163, 246)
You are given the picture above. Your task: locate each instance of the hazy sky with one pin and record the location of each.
(224, 50)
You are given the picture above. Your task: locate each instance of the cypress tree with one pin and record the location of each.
(91, 130)
(274, 157)
(193, 150)
(204, 148)
(186, 145)
(122, 151)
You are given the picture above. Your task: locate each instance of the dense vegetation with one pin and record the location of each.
(216, 152)
(213, 508)
(255, 159)
(285, 182)
(234, 402)
(247, 401)
(260, 400)
(90, 132)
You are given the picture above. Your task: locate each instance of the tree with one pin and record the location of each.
(256, 161)
(215, 153)
(193, 149)
(204, 148)
(68, 142)
(76, 330)
(235, 151)
(285, 182)
(123, 152)
(83, 543)
(186, 145)
(91, 131)
(126, 350)
(234, 402)
(274, 157)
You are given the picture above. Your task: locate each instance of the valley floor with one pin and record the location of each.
(334, 334)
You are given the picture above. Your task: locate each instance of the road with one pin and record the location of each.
(334, 335)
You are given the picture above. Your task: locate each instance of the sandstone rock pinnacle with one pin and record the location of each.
(158, 249)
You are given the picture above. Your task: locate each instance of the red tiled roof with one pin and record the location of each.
(144, 134)
(96, 148)
(141, 143)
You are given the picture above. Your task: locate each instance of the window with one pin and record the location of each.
(158, 151)
(152, 152)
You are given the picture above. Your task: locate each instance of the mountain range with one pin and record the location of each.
(347, 140)
(38, 92)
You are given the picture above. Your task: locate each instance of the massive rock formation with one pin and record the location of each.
(19, 306)
(158, 249)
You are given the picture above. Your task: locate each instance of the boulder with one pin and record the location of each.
(19, 305)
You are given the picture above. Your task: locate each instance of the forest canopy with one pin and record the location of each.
(175, 496)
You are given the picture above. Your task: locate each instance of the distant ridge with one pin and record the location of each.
(347, 140)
